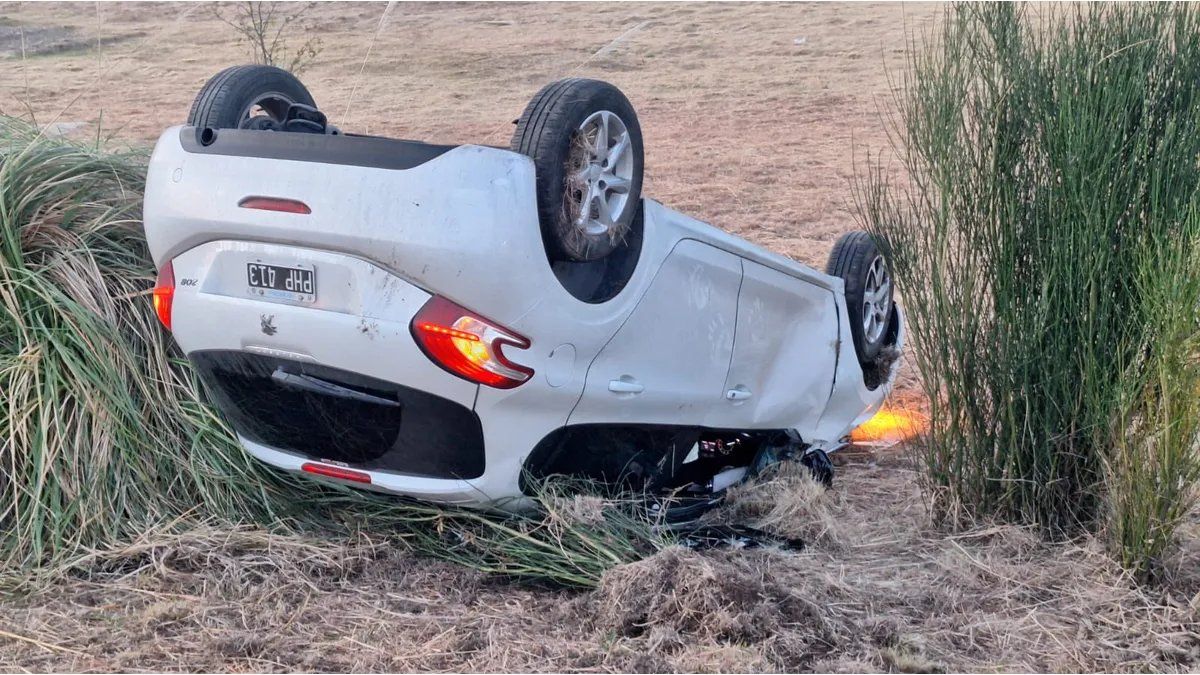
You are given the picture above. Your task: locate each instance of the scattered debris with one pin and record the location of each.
(785, 502)
(698, 537)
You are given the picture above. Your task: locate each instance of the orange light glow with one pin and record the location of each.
(475, 351)
(453, 333)
(889, 425)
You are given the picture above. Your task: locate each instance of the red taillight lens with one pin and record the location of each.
(164, 294)
(275, 204)
(468, 345)
(336, 472)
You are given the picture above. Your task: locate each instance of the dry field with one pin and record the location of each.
(754, 116)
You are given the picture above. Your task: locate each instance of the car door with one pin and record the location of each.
(668, 362)
(784, 354)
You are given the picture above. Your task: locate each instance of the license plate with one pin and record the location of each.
(288, 283)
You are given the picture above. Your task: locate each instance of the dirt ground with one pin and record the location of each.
(876, 590)
(754, 117)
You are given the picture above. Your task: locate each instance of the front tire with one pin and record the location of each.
(857, 260)
(240, 95)
(586, 145)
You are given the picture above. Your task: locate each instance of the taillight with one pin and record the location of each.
(468, 345)
(275, 204)
(164, 294)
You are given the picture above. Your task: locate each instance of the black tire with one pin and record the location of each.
(225, 98)
(548, 131)
(853, 257)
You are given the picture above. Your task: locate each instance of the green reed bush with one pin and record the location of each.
(1044, 242)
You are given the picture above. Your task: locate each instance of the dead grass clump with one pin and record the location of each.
(719, 597)
(216, 557)
(784, 501)
(1181, 570)
(908, 654)
(721, 658)
(580, 509)
(575, 186)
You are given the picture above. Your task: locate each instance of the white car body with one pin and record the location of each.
(708, 332)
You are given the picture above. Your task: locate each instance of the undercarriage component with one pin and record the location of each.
(683, 471)
(817, 461)
(668, 460)
(299, 118)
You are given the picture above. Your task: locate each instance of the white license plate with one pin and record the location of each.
(285, 283)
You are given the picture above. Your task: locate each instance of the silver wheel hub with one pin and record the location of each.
(877, 300)
(599, 175)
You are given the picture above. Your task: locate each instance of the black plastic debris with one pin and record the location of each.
(703, 537)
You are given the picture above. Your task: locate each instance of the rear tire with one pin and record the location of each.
(857, 260)
(238, 94)
(586, 145)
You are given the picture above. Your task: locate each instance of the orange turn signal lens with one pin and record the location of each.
(164, 294)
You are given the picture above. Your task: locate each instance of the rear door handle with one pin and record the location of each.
(625, 385)
(738, 394)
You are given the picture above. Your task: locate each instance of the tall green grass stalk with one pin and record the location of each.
(1153, 468)
(105, 436)
(1044, 243)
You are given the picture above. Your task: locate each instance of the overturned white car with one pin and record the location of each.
(444, 321)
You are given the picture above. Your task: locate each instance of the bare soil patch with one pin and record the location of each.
(24, 42)
(36, 40)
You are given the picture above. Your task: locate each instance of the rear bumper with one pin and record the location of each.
(359, 324)
(342, 418)
(477, 492)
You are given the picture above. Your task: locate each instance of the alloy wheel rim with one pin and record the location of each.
(877, 300)
(599, 174)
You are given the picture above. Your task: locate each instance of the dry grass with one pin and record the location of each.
(679, 597)
(894, 595)
(787, 502)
